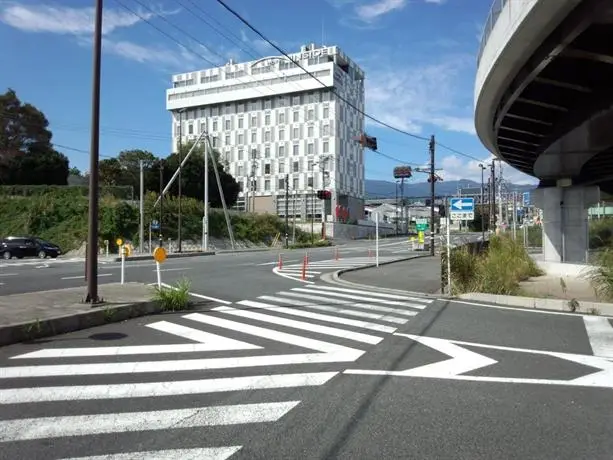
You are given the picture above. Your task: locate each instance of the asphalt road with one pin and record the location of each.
(226, 276)
(424, 379)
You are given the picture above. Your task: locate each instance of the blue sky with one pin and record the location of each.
(419, 58)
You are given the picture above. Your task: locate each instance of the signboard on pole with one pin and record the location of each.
(526, 198)
(421, 225)
(462, 208)
(155, 225)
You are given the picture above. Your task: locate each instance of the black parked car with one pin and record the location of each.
(25, 246)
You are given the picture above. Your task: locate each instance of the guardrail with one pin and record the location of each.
(492, 18)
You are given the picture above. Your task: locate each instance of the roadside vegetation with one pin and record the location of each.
(601, 276)
(175, 297)
(59, 214)
(497, 270)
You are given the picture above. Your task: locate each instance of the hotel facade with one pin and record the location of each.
(279, 130)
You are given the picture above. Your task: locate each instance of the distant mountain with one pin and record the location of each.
(387, 189)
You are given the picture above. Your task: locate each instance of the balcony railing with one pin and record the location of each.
(492, 18)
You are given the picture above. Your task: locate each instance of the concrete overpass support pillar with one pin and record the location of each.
(565, 221)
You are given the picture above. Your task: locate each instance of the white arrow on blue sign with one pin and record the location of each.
(462, 204)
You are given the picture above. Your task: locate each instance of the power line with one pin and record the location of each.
(280, 50)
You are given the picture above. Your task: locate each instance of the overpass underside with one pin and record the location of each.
(555, 122)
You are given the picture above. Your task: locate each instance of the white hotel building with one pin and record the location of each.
(270, 120)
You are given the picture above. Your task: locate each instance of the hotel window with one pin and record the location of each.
(253, 137)
(282, 184)
(310, 114)
(240, 154)
(241, 139)
(267, 104)
(326, 146)
(326, 130)
(296, 133)
(267, 152)
(281, 118)
(267, 119)
(296, 166)
(310, 149)
(326, 112)
(310, 165)
(240, 168)
(296, 184)
(310, 182)
(267, 136)
(295, 149)
(281, 151)
(227, 141)
(228, 125)
(281, 135)
(266, 185)
(296, 117)
(254, 121)
(281, 168)
(267, 168)
(310, 131)
(215, 125)
(240, 123)
(190, 129)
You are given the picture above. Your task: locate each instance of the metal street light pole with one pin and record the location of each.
(92, 236)
(179, 217)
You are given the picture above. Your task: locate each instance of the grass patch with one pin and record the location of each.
(59, 214)
(175, 297)
(497, 270)
(601, 276)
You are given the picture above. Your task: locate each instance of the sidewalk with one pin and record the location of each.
(418, 275)
(40, 314)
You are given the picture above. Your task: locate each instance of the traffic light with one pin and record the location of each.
(369, 142)
(324, 194)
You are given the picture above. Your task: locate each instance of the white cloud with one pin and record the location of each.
(66, 20)
(454, 167)
(409, 97)
(372, 11)
(262, 47)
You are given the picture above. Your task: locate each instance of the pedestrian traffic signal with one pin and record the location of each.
(324, 194)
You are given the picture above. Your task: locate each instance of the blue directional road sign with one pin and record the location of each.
(462, 204)
(462, 208)
(155, 225)
(526, 199)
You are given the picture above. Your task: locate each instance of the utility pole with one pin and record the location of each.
(161, 241)
(205, 210)
(432, 196)
(396, 208)
(500, 200)
(287, 211)
(91, 271)
(254, 167)
(482, 167)
(493, 194)
(141, 227)
(180, 191)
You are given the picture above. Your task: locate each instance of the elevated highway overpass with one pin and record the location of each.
(544, 104)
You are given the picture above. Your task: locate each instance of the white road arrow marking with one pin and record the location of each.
(465, 361)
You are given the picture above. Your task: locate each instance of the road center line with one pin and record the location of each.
(80, 277)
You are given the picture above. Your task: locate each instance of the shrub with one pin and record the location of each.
(601, 276)
(173, 298)
(498, 270)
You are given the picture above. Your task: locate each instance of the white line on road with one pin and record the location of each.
(366, 299)
(81, 425)
(319, 316)
(335, 332)
(172, 269)
(80, 277)
(289, 277)
(600, 333)
(157, 389)
(518, 309)
(205, 453)
(9, 274)
(222, 343)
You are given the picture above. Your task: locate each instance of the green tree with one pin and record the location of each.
(109, 172)
(26, 153)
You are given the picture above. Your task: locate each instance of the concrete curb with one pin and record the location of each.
(104, 314)
(176, 255)
(334, 278)
(605, 309)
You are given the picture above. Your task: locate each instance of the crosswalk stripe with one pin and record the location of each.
(157, 389)
(342, 311)
(318, 316)
(205, 453)
(81, 425)
(133, 350)
(270, 334)
(370, 293)
(357, 336)
(340, 354)
(348, 302)
(368, 299)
